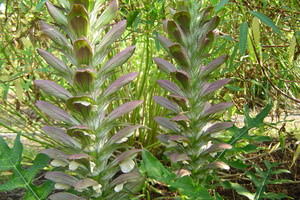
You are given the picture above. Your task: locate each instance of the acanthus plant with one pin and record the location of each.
(92, 160)
(191, 141)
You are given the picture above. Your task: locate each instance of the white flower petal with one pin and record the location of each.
(127, 165)
(97, 188)
(121, 140)
(60, 186)
(73, 165)
(119, 187)
(58, 163)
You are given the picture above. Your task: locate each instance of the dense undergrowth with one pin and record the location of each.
(172, 56)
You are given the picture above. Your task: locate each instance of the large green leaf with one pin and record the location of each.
(10, 159)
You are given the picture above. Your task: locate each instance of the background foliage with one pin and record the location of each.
(261, 37)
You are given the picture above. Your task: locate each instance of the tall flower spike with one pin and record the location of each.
(189, 34)
(92, 156)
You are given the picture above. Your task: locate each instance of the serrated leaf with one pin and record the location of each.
(243, 37)
(10, 159)
(242, 191)
(118, 60)
(53, 89)
(123, 109)
(119, 83)
(155, 169)
(266, 20)
(164, 102)
(167, 123)
(55, 112)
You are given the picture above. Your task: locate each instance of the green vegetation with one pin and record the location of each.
(121, 99)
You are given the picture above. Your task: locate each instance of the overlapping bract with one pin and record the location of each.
(87, 145)
(191, 141)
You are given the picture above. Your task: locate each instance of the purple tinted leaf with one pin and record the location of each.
(164, 65)
(64, 196)
(175, 32)
(79, 156)
(218, 147)
(54, 62)
(112, 35)
(119, 83)
(183, 18)
(61, 136)
(211, 87)
(218, 127)
(180, 118)
(217, 108)
(123, 109)
(164, 102)
(85, 183)
(164, 41)
(78, 19)
(175, 138)
(127, 178)
(55, 154)
(176, 157)
(129, 154)
(204, 41)
(218, 164)
(108, 14)
(83, 51)
(213, 65)
(180, 100)
(56, 14)
(171, 87)
(53, 89)
(61, 177)
(55, 35)
(55, 112)
(118, 60)
(123, 133)
(182, 76)
(211, 24)
(84, 80)
(180, 55)
(165, 122)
